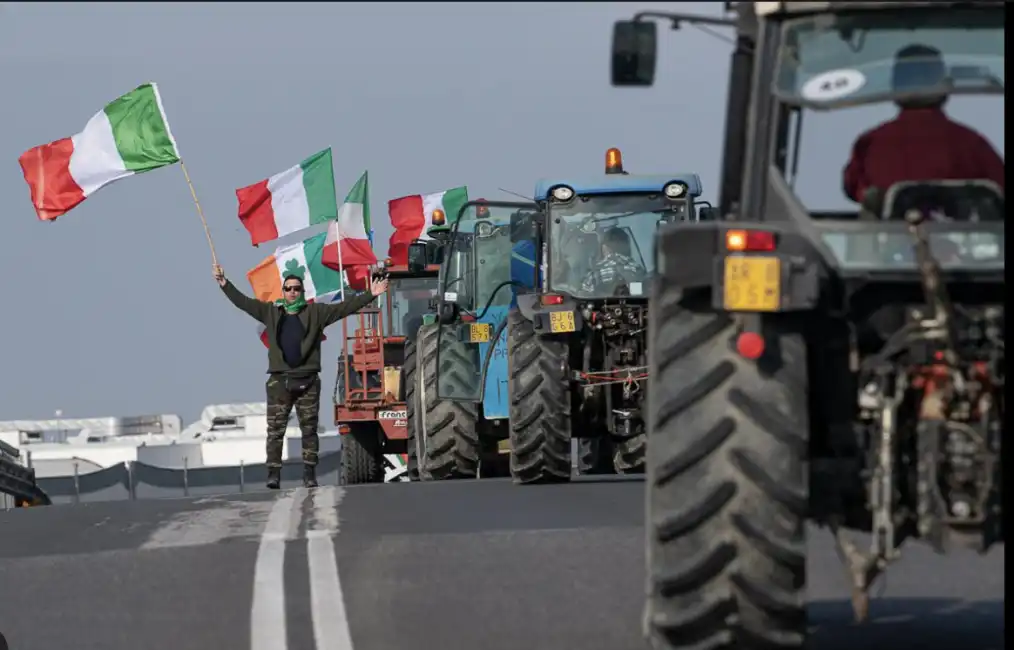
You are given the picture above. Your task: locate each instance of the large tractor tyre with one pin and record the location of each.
(451, 445)
(412, 411)
(727, 482)
(540, 407)
(594, 456)
(362, 461)
(629, 453)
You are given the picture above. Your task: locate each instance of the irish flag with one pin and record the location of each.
(302, 260)
(297, 198)
(347, 246)
(412, 216)
(129, 136)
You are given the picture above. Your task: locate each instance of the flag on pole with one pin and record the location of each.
(347, 246)
(129, 136)
(411, 216)
(290, 201)
(301, 260)
(327, 298)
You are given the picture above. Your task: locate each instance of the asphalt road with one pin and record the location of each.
(447, 565)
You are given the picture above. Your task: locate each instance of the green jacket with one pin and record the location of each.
(314, 318)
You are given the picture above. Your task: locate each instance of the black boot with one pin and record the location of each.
(310, 476)
(274, 478)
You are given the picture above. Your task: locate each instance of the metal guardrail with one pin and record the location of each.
(134, 480)
(17, 482)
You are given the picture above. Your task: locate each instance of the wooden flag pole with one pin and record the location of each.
(200, 213)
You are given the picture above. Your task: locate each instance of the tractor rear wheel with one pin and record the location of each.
(629, 453)
(540, 408)
(727, 481)
(362, 461)
(450, 447)
(594, 456)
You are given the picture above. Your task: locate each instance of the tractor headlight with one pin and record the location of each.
(675, 190)
(484, 229)
(563, 193)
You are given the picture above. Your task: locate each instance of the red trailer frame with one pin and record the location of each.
(370, 368)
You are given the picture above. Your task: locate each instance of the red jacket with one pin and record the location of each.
(919, 144)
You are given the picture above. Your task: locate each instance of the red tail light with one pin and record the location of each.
(552, 299)
(749, 241)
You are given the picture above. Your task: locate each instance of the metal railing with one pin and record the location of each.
(135, 480)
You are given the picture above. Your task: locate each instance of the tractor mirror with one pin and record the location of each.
(634, 52)
(707, 214)
(448, 313)
(417, 256)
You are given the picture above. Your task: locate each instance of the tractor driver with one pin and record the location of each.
(921, 143)
(616, 266)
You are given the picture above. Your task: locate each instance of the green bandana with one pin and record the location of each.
(293, 307)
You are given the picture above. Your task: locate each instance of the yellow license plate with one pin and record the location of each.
(561, 321)
(479, 333)
(753, 283)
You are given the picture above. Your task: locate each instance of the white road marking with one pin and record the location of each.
(327, 602)
(267, 612)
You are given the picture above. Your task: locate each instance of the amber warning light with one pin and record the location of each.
(614, 161)
(438, 218)
(749, 241)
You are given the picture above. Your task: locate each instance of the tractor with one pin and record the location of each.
(458, 414)
(370, 401)
(844, 367)
(576, 333)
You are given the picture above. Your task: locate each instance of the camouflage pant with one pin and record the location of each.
(284, 393)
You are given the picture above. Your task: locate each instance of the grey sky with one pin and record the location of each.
(112, 309)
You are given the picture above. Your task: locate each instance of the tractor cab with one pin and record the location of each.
(600, 231)
(476, 293)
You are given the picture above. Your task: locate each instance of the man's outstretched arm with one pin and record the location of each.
(258, 309)
(333, 313)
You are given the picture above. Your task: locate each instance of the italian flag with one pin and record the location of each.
(290, 201)
(347, 246)
(302, 260)
(412, 216)
(334, 296)
(129, 136)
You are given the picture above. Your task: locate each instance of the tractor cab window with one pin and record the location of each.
(851, 56)
(410, 299)
(602, 244)
(965, 250)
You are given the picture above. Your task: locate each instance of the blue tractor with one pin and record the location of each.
(581, 267)
(457, 386)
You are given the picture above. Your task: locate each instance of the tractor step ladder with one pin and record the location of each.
(365, 365)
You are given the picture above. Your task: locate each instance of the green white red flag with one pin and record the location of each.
(129, 136)
(290, 201)
(347, 246)
(412, 216)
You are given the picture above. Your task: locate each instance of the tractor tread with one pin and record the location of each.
(727, 479)
(540, 406)
(452, 445)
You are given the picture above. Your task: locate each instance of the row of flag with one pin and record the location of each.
(131, 135)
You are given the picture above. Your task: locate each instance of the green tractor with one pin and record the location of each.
(456, 371)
